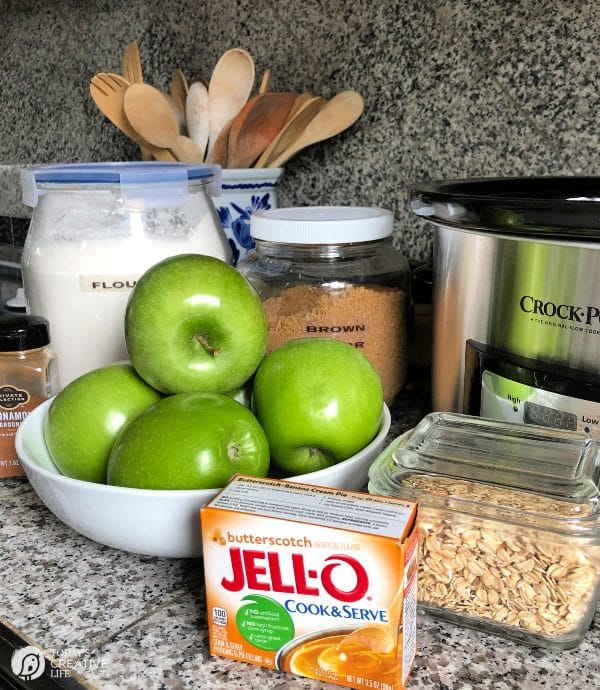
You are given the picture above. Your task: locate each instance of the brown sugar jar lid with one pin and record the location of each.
(322, 224)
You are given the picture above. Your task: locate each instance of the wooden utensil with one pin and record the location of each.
(186, 150)
(256, 125)
(179, 89)
(290, 131)
(219, 153)
(196, 111)
(131, 64)
(230, 87)
(150, 114)
(179, 116)
(131, 67)
(266, 82)
(107, 91)
(301, 99)
(334, 117)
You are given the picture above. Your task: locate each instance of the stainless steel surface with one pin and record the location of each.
(539, 299)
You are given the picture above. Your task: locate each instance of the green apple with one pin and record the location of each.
(189, 441)
(319, 401)
(86, 416)
(193, 323)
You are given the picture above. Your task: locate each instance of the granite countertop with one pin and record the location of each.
(130, 622)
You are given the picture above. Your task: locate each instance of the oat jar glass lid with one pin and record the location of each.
(510, 524)
(332, 271)
(94, 230)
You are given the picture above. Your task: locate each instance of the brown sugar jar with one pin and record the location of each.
(28, 376)
(331, 271)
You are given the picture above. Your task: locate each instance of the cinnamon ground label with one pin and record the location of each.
(371, 318)
(15, 406)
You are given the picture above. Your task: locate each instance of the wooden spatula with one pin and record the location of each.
(131, 67)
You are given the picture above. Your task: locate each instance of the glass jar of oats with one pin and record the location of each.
(329, 271)
(510, 524)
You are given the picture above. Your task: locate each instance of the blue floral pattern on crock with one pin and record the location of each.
(240, 225)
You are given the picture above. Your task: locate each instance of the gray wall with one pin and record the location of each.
(452, 88)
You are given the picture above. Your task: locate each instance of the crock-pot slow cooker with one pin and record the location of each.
(516, 298)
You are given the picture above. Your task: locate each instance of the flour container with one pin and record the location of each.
(94, 230)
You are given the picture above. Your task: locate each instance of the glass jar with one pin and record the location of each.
(95, 229)
(333, 272)
(509, 524)
(28, 376)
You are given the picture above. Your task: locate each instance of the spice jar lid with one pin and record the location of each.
(322, 224)
(23, 333)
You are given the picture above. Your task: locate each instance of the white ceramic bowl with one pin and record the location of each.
(150, 521)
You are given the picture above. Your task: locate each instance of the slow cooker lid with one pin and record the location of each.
(555, 208)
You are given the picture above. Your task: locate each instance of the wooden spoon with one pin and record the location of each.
(291, 131)
(131, 67)
(230, 87)
(196, 111)
(334, 117)
(219, 153)
(259, 121)
(150, 114)
(186, 150)
(107, 91)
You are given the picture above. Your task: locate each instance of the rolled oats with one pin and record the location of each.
(518, 578)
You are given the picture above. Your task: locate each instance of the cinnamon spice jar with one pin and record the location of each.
(332, 272)
(27, 378)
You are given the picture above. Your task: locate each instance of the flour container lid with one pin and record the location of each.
(143, 184)
(554, 208)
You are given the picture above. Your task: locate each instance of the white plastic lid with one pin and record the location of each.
(322, 224)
